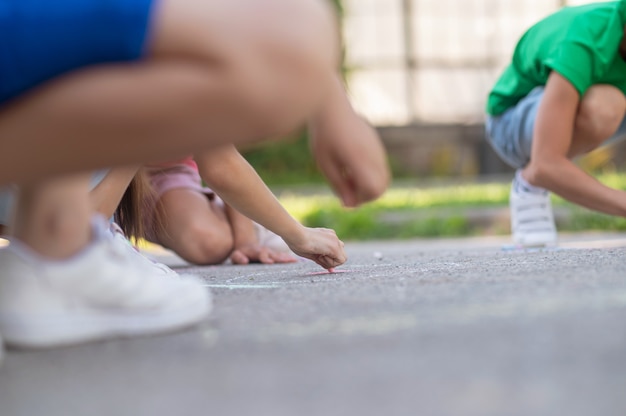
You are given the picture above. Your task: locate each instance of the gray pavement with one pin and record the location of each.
(443, 327)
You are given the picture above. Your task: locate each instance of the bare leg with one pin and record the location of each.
(217, 72)
(82, 282)
(53, 217)
(194, 227)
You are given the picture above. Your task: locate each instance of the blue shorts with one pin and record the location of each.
(41, 39)
(511, 133)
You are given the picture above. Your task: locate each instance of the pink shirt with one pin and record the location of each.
(188, 161)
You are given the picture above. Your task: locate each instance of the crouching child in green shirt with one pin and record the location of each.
(562, 96)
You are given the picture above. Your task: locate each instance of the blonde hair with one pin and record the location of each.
(139, 199)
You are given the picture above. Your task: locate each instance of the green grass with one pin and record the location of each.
(434, 212)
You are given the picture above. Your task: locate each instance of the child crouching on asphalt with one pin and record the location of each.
(195, 223)
(72, 95)
(561, 97)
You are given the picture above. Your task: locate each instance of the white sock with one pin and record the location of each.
(521, 185)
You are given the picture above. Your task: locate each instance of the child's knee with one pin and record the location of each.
(225, 32)
(601, 112)
(306, 29)
(204, 245)
(273, 56)
(295, 54)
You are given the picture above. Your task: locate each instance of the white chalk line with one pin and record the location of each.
(243, 286)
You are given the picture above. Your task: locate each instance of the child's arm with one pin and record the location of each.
(238, 184)
(348, 150)
(106, 196)
(550, 166)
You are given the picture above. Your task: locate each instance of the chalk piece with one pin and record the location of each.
(242, 286)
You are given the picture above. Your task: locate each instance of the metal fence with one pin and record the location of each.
(432, 60)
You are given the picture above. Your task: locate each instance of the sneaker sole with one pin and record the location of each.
(537, 242)
(63, 330)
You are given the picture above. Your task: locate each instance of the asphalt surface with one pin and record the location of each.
(445, 327)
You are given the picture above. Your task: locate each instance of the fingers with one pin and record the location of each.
(319, 244)
(284, 258)
(237, 257)
(269, 256)
(329, 263)
(335, 255)
(265, 256)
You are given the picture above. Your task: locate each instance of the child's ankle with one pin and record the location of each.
(522, 185)
(61, 244)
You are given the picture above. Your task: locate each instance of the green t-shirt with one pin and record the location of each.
(580, 43)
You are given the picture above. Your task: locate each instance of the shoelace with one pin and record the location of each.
(533, 213)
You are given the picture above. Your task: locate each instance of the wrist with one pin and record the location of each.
(296, 235)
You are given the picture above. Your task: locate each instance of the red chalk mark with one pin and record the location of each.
(329, 271)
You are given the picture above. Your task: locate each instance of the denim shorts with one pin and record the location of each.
(511, 133)
(42, 39)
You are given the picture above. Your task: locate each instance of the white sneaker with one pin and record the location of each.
(149, 265)
(98, 294)
(532, 219)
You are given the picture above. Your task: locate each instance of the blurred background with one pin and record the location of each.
(420, 71)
